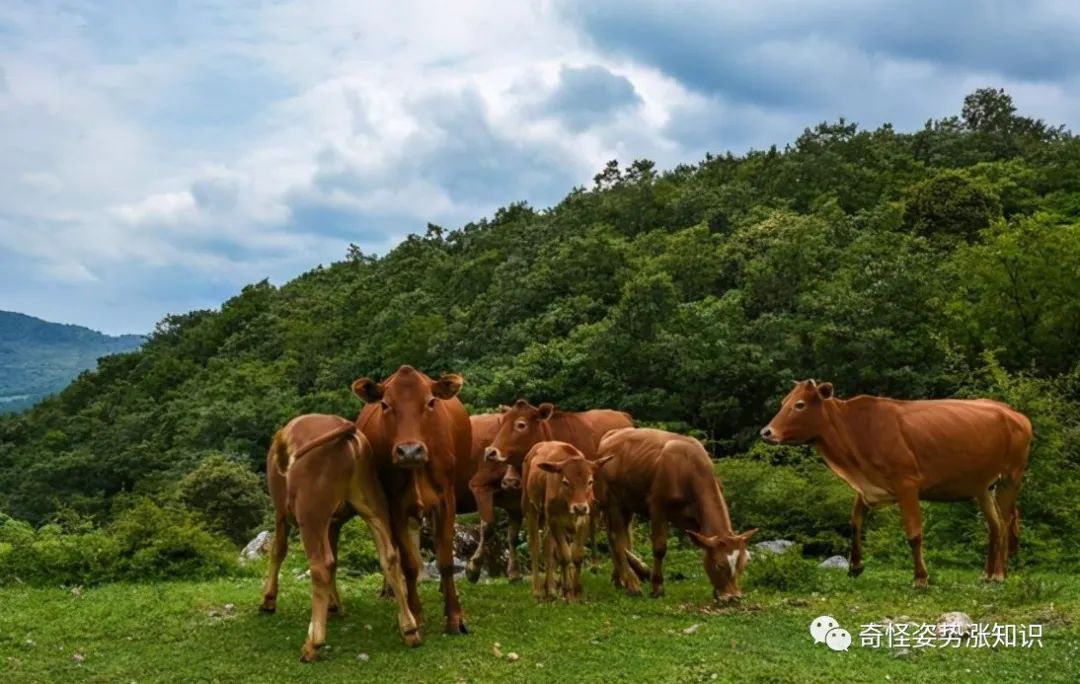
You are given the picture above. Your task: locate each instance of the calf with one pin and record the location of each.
(493, 485)
(320, 473)
(669, 479)
(906, 451)
(557, 494)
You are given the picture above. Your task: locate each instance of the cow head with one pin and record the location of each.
(521, 427)
(575, 482)
(725, 559)
(801, 414)
(407, 407)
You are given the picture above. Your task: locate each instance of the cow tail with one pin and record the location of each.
(285, 457)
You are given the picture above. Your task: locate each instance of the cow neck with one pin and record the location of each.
(545, 429)
(713, 514)
(836, 443)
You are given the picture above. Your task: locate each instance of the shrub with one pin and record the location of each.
(226, 495)
(356, 548)
(787, 571)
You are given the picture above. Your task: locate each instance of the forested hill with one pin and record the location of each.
(38, 358)
(925, 264)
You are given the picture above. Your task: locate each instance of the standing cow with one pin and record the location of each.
(492, 485)
(523, 426)
(903, 451)
(557, 496)
(420, 435)
(669, 479)
(320, 473)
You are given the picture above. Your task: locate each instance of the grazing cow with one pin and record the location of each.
(557, 496)
(903, 451)
(493, 484)
(669, 479)
(523, 425)
(420, 435)
(320, 473)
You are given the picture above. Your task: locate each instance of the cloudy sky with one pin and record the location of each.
(156, 156)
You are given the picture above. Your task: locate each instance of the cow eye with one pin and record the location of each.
(431, 403)
(385, 406)
(520, 425)
(565, 482)
(800, 405)
(590, 482)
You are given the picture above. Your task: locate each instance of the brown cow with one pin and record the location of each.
(523, 425)
(492, 485)
(557, 496)
(320, 473)
(669, 479)
(903, 451)
(420, 435)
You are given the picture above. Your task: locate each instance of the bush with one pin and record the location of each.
(227, 496)
(787, 571)
(356, 548)
(144, 542)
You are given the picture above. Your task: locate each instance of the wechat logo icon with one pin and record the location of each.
(828, 631)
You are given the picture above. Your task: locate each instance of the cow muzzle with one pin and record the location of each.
(511, 480)
(579, 509)
(410, 455)
(494, 455)
(768, 436)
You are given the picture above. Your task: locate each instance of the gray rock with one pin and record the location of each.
(430, 571)
(837, 562)
(774, 546)
(955, 623)
(257, 547)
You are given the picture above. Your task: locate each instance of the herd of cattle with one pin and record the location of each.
(414, 452)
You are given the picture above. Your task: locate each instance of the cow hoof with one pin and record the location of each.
(308, 652)
(268, 607)
(855, 570)
(632, 591)
(412, 639)
(458, 628)
(921, 583)
(514, 578)
(657, 592)
(472, 573)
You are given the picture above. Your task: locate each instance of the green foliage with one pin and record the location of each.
(229, 497)
(356, 548)
(950, 206)
(787, 571)
(144, 542)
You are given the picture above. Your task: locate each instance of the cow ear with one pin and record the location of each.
(824, 390)
(521, 403)
(546, 410)
(703, 541)
(550, 467)
(448, 386)
(599, 463)
(745, 537)
(367, 390)
(503, 408)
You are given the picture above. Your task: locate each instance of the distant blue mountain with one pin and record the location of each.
(38, 358)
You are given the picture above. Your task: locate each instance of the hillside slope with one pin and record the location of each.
(38, 358)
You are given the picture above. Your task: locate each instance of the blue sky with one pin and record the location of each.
(157, 156)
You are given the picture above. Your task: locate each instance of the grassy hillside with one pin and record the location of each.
(938, 262)
(38, 358)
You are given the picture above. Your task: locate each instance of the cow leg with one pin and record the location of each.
(908, 501)
(278, 549)
(485, 506)
(578, 552)
(858, 517)
(444, 553)
(659, 550)
(532, 529)
(594, 562)
(1008, 489)
(636, 564)
(410, 557)
(619, 539)
(513, 526)
(335, 535)
(566, 563)
(370, 503)
(315, 535)
(552, 559)
(996, 546)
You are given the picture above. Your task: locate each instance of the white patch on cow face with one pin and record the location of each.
(733, 560)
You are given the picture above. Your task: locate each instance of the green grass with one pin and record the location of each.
(174, 632)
